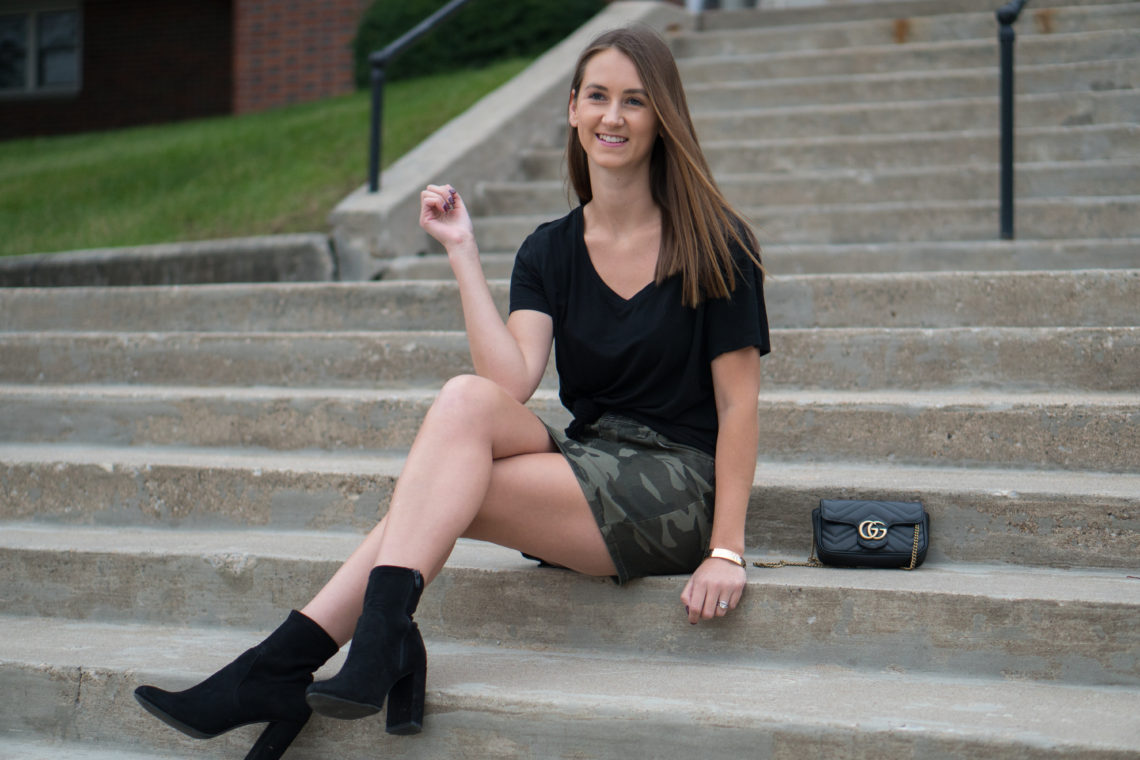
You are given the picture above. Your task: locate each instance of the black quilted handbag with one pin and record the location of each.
(871, 533)
(849, 533)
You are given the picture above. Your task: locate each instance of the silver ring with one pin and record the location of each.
(722, 604)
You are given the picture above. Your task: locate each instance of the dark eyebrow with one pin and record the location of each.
(632, 90)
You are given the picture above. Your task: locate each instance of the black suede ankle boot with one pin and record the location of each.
(386, 657)
(264, 684)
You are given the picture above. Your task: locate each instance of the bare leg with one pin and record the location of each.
(482, 466)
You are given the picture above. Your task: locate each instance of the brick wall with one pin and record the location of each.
(290, 51)
(142, 62)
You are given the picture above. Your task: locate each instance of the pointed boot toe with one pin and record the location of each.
(265, 684)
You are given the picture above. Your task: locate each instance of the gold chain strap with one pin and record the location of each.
(813, 562)
(913, 550)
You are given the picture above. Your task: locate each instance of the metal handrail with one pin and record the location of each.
(1006, 16)
(377, 61)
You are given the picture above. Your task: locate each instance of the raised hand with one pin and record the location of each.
(444, 216)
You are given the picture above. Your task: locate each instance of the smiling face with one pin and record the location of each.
(611, 111)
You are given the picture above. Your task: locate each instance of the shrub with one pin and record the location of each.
(479, 33)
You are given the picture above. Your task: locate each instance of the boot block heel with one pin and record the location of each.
(406, 704)
(274, 740)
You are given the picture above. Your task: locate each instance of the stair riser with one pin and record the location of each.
(1076, 642)
(962, 298)
(898, 31)
(971, 523)
(896, 118)
(1071, 436)
(1055, 256)
(1068, 437)
(1039, 218)
(970, 54)
(854, 186)
(94, 705)
(1095, 76)
(331, 307)
(957, 298)
(1045, 359)
(194, 496)
(880, 152)
(389, 360)
(1106, 360)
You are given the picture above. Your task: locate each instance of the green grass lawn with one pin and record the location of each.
(272, 172)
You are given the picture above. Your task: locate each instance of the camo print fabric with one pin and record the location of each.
(652, 498)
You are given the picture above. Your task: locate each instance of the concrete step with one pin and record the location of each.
(744, 154)
(1099, 359)
(930, 183)
(899, 29)
(488, 701)
(788, 14)
(1066, 430)
(1076, 47)
(1040, 218)
(900, 221)
(1072, 626)
(1072, 298)
(25, 748)
(1046, 110)
(934, 256)
(1027, 517)
(1041, 358)
(971, 258)
(397, 359)
(896, 86)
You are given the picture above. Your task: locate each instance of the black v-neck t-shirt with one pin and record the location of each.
(647, 357)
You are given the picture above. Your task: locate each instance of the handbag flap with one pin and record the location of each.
(875, 525)
(852, 512)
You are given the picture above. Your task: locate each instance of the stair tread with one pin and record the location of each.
(661, 690)
(349, 462)
(835, 476)
(992, 581)
(26, 748)
(446, 338)
(839, 249)
(799, 15)
(893, 138)
(960, 398)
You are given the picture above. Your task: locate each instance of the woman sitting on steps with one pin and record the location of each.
(650, 292)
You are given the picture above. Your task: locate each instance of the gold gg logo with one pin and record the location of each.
(873, 530)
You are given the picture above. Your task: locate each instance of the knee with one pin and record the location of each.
(467, 398)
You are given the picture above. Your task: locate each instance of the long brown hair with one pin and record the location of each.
(698, 225)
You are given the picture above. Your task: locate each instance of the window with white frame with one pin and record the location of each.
(39, 48)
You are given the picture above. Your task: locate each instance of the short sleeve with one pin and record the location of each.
(527, 282)
(742, 319)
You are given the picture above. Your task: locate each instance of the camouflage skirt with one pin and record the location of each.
(652, 498)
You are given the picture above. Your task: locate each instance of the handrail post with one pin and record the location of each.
(1006, 16)
(377, 75)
